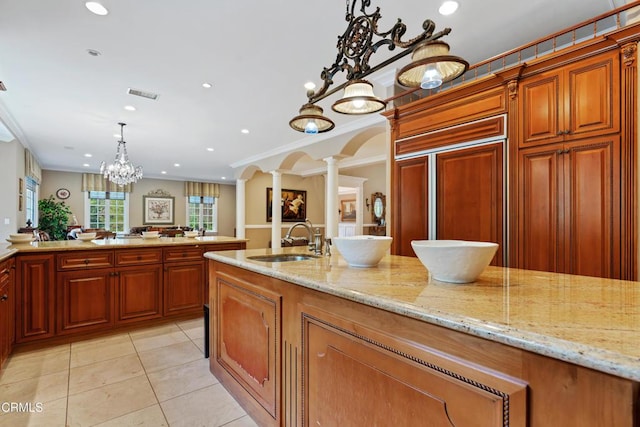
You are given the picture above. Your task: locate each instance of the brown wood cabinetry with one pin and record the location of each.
(411, 204)
(570, 207)
(35, 297)
(138, 292)
(574, 101)
(7, 308)
(184, 280)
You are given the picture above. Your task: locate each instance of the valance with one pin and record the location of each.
(31, 167)
(201, 189)
(97, 182)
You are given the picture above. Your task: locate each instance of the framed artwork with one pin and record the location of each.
(293, 205)
(63, 193)
(20, 203)
(347, 210)
(20, 185)
(158, 210)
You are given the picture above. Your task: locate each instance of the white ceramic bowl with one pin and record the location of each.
(191, 233)
(362, 251)
(20, 238)
(455, 261)
(86, 236)
(150, 234)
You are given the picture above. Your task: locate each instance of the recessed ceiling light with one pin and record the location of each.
(206, 85)
(210, 149)
(88, 155)
(130, 108)
(224, 177)
(176, 165)
(86, 165)
(96, 8)
(448, 7)
(245, 131)
(116, 135)
(310, 85)
(163, 172)
(93, 52)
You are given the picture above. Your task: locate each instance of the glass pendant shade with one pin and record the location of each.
(358, 98)
(121, 171)
(431, 66)
(311, 120)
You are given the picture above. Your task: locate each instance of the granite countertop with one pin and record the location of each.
(7, 250)
(588, 321)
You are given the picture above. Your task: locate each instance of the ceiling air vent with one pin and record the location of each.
(142, 93)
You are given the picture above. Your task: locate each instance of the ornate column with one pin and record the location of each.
(240, 208)
(276, 211)
(331, 215)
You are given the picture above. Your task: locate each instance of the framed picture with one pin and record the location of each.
(20, 185)
(347, 210)
(158, 210)
(20, 203)
(293, 205)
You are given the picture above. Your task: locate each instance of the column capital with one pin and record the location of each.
(275, 173)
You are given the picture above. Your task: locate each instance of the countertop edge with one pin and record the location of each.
(606, 361)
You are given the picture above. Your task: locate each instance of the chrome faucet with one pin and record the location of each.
(315, 238)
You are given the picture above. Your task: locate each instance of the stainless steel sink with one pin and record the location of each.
(282, 257)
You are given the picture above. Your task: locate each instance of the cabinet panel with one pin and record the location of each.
(187, 253)
(138, 256)
(7, 309)
(400, 388)
(35, 297)
(247, 339)
(469, 195)
(183, 287)
(139, 293)
(85, 300)
(410, 200)
(538, 207)
(85, 259)
(542, 109)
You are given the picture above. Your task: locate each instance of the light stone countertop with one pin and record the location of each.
(7, 249)
(591, 322)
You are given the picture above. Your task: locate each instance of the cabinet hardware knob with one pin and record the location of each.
(559, 151)
(567, 132)
(139, 257)
(560, 133)
(4, 297)
(86, 261)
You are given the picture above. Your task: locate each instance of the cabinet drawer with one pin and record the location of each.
(138, 256)
(5, 271)
(231, 246)
(83, 260)
(183, 254)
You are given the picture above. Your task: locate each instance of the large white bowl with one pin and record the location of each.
(362, 251)
(191, 234)
(86, 236)
(454, 261)
(20, 238)
(150, 234)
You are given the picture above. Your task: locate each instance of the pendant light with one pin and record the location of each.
(121, 171)
(311, 120)
(431, 66)
(358, 98)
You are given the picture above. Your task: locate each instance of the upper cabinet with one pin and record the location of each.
(571, 102)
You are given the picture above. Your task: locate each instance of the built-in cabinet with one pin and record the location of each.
(77, 291)
(7, 308)
(291, 356)
(560, 195)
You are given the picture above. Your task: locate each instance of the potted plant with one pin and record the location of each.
(53, 218)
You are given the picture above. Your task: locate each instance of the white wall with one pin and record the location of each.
(11, 168)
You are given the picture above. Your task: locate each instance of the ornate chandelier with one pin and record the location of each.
(121, 171)
(431, 66)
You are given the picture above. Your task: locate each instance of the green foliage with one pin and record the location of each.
(54, 217)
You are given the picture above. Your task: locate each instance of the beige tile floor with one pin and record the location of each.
(153, 377)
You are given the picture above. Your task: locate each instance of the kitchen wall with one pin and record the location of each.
(11, 218)
(376, 176)
(258, 229)
(72, 181)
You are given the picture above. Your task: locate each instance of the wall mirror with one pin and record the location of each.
(378, 208)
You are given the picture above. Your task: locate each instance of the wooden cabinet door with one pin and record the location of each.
(85, 300)
(7, 312)
(411, 218)
(35, 299)
(591, 205)
(541, 109)
(183, 288)
(592, 97)
(139, 293)
(469, 195)
(539, 186)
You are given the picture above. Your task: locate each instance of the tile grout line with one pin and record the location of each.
(66, 411)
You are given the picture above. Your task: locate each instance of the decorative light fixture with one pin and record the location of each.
(356, 46)
(121, 171)
(431, 65)
(311, 120)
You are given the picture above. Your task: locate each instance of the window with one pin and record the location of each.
(202, 213)
(107, 210)
(31, 200)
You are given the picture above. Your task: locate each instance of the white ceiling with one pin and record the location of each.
(62, 102)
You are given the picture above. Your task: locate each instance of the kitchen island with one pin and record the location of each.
(58, 290)
(334, 345)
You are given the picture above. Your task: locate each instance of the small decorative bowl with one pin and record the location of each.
(454, 261)
(86, 236)
(191, 234)
(362, 251)
(20, 238)
(150, 234)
